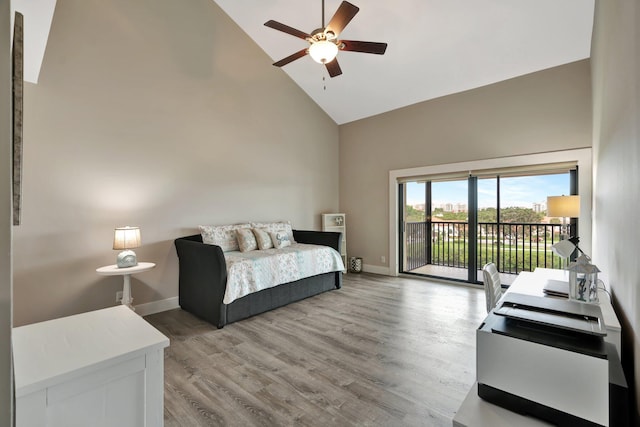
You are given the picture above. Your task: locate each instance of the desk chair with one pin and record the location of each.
(492, 288)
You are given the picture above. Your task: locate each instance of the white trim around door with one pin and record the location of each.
(582, 157)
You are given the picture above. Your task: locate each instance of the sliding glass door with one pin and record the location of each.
(413, 227)
(451, 228)
(436, 228)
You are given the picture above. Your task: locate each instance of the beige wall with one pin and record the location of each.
(616, 144)
(6, 388)
(540, 112)
(154, 114)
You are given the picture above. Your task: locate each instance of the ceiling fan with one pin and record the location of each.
(324, 43)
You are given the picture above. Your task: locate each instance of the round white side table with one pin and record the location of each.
(126, 272)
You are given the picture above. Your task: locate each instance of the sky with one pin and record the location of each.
(515, 191)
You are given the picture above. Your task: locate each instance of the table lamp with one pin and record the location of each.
(565, 248)
(563, 207)
(126, 238)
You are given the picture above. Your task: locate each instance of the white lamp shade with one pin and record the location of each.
(563, 206)
(323, 51)
(564, 248)
(126, 238)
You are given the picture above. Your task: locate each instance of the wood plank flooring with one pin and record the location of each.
(381, 351)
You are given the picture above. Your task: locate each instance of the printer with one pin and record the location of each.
(546, 357)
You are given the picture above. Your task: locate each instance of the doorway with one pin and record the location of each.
(451, 227)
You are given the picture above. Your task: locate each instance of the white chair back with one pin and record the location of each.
(492, 288)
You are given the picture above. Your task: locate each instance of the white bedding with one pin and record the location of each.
(249, 272)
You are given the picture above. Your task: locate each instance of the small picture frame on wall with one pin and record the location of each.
(17, 65)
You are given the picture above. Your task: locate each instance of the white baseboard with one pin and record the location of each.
(157, 306)
(375, 269)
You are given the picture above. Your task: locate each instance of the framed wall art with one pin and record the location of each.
(17, 91)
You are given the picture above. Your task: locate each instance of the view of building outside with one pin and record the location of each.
(525, 195)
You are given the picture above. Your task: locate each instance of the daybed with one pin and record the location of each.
(203, 280)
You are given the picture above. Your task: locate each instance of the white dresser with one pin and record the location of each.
(101, 368)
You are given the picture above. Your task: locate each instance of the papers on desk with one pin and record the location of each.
(564, 314)
(556, 288)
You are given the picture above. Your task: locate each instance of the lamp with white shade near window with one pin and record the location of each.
(125, 239)
(564, 207)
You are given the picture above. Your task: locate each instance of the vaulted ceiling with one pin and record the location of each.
(435, 47)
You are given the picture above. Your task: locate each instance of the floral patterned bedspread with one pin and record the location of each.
(252, 271)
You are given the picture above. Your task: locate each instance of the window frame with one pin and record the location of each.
(582, 158)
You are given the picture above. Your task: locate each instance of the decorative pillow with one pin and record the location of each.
(272, 227)
(246, 240)
(280, 239)
(222, 235)
(263, 238)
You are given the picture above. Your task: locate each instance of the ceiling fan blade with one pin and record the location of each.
(287, 29)
(333, 68)
(342, 17)
(299, 54)
(364, 47)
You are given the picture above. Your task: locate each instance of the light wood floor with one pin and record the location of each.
(381, 351)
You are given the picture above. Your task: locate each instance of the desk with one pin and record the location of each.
(474, 411)
(532, 283)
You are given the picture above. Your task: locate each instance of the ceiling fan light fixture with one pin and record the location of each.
(323, 51)
(323, 42)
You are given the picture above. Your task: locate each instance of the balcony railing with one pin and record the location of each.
(513, 247)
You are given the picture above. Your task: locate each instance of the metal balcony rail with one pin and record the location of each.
(513, 247)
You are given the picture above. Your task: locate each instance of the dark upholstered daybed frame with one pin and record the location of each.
(203, 281)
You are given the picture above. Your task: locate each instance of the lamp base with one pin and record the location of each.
(126, 258)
